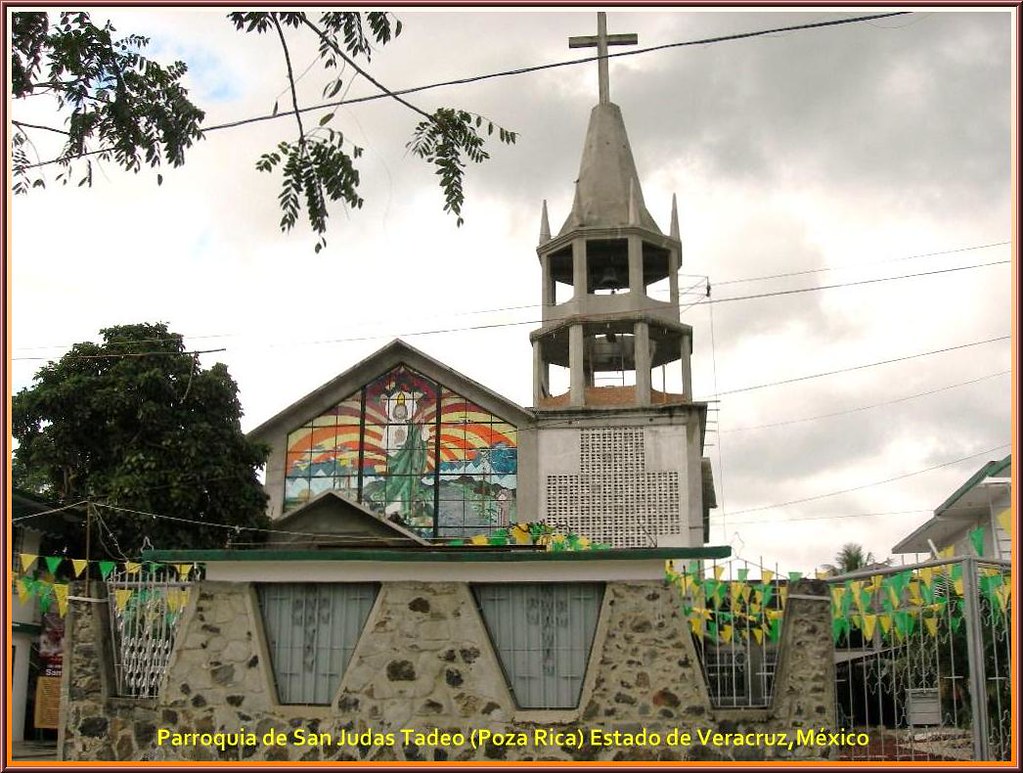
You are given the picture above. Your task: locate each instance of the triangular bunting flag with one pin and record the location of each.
(185, 569)
(886, 623)
(121, 596)
(53, 563)
(726, 634)
(60, 593)
(931, 623)
(1004, 519)
(24, 588)
(133, 567)
(45, 592)
(977, 540)
(869, 622)
(79, 565)
(105, 568)
(795, 576)
(27, 559)
(744, 572)
(766, 575)
(758, 634)
(718, 571)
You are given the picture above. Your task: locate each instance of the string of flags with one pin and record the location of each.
(533, 533)
(47, 590)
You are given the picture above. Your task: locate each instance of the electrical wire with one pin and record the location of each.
(397, 94)
(867, 407)
(869, 485)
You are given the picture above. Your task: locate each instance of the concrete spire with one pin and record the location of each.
(607, 175)
(545, 226)
(633, 209)
(674, 219)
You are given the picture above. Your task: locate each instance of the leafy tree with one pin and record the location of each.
(137, 423)
(849, 559)
(134, 110)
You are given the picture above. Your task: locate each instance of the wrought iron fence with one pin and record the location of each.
(736, 626)
(146, 603)
(922, 660)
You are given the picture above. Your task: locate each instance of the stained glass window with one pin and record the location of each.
(407, 446)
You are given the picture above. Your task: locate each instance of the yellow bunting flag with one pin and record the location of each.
(869, 622)
(121, 597)
(766, 575)
(875, 583)
(927, 576)
(931, 624)
(1002, 594)
(821, 575)
(132, 567)
(27, 559)
(176, 599)
(185, 569)
(79, 565)
(60, 593)
(726, 634)
(784, 593)
(855, 587)
(914, 592)
(958, 585)
(746, 590)
(947, 552)
(837, 592)
(1005, 520)
(774, 614)
(718, 572)
(24, 590)
(735, 591)
(696, 623)
(758, 634)
(886, 623)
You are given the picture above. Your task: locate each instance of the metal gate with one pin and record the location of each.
(922, 660)
(146, 603)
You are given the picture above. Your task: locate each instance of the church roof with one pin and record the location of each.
(608, 180)
(397, 352)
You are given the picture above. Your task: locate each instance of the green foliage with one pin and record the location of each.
(849, 559)
(137, 422)
(107, 91)
(138, 113)
(443, 139)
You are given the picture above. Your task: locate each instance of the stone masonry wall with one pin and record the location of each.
(425, 663)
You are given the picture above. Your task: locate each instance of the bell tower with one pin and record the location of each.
(620, 459)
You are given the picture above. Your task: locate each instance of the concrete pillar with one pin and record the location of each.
(576, 366)
(641, 331)
(673, 266)
(636, 266)
(579, 267)
(547, 288)
(687, 371)
(539, 372)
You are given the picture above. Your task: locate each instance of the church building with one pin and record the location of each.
(402, 448)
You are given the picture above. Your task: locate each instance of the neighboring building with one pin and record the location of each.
(983, 502)
(33, 518)
(608, 456)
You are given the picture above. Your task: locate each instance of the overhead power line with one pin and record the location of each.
(861, 367)
(703, 279)
(867, 407)
(397, 94)
(867, 485)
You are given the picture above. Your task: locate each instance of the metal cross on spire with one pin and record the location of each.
(602, 40)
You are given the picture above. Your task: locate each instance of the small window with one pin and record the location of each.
(543, 634)
(311, 631)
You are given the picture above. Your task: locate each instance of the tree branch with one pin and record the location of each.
(26, 125)
(291, 79)
(326, 39)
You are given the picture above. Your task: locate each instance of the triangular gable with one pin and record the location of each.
(352, 380)
(330, 520)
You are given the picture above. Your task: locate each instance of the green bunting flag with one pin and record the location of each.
(977, 539)
(53, 563)
(105, 568)
(743, 574)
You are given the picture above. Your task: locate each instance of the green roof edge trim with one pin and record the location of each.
(470, 555)
(989, 470)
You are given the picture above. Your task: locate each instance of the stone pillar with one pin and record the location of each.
(636, 266)
(576, 365)
(579, 267)
(641, 331)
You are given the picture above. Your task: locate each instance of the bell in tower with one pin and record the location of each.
(620, 457)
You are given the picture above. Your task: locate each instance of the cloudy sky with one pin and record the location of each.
(827, 156)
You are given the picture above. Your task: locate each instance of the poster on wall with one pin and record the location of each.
(51, 662)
